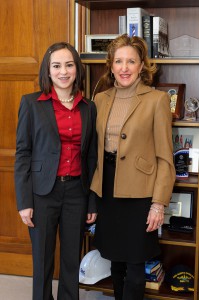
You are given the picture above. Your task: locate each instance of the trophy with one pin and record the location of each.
(191, 106)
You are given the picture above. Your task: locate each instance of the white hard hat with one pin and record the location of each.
(93, 268)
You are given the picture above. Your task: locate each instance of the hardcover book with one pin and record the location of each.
(160, 38)
(147, 24)
(151, 266)
(154, 276)
(134, 21)
(155, 285)
(122, 24)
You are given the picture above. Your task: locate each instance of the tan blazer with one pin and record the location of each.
(144, 166)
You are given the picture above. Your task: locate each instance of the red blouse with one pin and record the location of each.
(69, 128)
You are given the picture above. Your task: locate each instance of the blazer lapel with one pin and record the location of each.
(50, 115)
(108, 102)
(136, 100)
(84, 116)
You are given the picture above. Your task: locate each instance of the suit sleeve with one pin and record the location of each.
(22, 174)
(164, 151)
(92, 158)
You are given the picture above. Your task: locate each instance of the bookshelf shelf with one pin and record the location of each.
(99, 59)
(191, 185)
(182, 123)
(191, 181)
(175, 243)
(93, 61)
(175, 61)
(164, 293)
(178, 238)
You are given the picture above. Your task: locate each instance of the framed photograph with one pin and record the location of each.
(181, 205)
(98, 43)
(194, 159)
(176, 93)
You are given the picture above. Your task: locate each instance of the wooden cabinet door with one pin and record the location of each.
(27, 28)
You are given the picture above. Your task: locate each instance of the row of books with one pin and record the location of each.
(154, 274)
(153, 29)
(137, 22)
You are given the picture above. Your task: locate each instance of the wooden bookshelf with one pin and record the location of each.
(101, 17)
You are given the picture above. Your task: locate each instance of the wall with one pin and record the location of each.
(27, 28)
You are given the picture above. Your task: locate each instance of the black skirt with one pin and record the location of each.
(120, 233)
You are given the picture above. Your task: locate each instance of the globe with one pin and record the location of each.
(191, 106)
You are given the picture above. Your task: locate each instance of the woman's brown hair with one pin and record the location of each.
(45, 81)
(139, 44)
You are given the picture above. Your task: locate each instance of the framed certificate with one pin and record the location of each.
(181, 205)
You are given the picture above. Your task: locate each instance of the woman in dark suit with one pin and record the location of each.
(55, 162)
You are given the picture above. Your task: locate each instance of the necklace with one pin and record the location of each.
(66, 100)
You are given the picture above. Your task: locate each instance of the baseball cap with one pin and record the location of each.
(180, 278)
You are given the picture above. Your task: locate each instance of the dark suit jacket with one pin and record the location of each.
(38, 149)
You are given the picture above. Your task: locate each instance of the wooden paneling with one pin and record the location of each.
(28, 28)
(21, 264)
(9, 103)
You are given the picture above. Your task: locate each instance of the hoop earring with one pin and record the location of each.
(112, 75)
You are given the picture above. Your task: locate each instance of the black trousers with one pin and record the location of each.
(65, 209)
(128, 280)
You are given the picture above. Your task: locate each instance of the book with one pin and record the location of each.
(134, 21)
(154, 276)
(160, 37)
(155, 285)
(151, 266)
(122, 24)
(147, 29)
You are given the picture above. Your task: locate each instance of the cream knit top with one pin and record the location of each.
(118, 112)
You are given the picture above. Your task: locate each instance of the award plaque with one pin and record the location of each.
(98, 43)
(181, 162)
(176, 93)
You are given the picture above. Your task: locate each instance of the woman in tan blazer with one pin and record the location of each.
(135, 172)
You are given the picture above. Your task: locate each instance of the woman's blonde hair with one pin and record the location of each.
(139, 44)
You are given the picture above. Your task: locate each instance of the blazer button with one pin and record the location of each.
(123, 157)
(123, 136)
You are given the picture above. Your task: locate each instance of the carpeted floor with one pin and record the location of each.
(20, 288)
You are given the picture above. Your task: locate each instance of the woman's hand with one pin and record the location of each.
(26, 216)
(91, 218)
(155, 217)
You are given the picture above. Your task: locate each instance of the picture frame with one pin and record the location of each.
(194, 159)
(181, 205)
(97, 43)
(176, 92)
